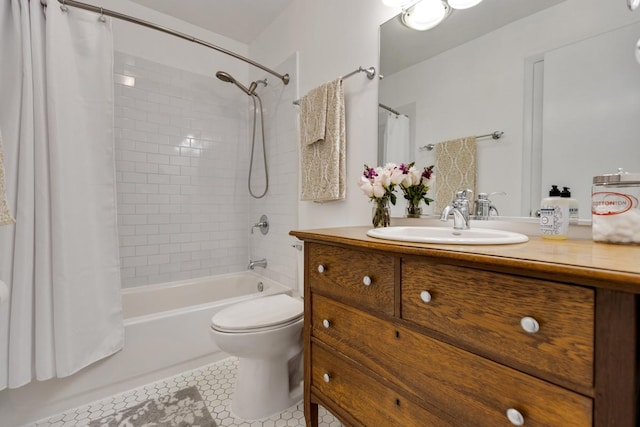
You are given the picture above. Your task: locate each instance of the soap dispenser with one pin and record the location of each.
(554, 216)
(573, 205)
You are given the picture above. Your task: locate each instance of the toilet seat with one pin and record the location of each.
(259, 314)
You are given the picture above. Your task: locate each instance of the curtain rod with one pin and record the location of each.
(397, 113)
(495, 135)
(118, 15)
(371, 72)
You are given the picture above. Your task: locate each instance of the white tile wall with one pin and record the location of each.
(281, 202)
(181, 144)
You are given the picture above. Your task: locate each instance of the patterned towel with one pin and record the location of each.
(455, 169)
(322, 143)
(5, 215)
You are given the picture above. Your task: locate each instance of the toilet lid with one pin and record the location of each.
(259, 313)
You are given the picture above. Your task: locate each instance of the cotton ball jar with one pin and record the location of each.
(616, 209)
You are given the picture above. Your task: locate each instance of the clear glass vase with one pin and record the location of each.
(413, 211)
(381, 215)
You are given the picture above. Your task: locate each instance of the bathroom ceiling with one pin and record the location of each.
(241, 20)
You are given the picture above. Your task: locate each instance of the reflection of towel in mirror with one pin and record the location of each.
(322, 143)
(397, 139)
(5, 215)
(455, 169)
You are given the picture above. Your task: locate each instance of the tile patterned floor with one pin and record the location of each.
(215, 383)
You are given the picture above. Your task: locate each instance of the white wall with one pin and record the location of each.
(478, 88)
(334, 37)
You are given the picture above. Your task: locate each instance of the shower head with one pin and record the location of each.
(226, 77)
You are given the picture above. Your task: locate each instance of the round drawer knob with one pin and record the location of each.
(321, 268)
(515, 417)
(366, 280)
(326, 323)
(327, 378)
(425, 296)
(529, 324)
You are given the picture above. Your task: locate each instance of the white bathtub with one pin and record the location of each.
(166, 332)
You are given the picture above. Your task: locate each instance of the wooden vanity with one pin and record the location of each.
(543, 333)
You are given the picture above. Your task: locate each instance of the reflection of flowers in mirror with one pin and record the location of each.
(416, 184)
(379, 184)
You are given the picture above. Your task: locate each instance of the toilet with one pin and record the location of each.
(266, 335)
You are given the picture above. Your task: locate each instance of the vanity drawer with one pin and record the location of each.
(491, 313)
(361, 278)
(461, 386)
(363, 397)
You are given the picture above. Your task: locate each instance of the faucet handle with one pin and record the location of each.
(464, 194)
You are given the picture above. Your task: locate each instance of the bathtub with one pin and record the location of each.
(166, 332)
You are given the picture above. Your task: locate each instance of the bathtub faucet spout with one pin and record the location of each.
(257, 263)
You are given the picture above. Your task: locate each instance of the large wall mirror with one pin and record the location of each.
(559, 77)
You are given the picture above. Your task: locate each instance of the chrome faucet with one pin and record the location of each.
(459, 207)
(263, 225)
(257, 263)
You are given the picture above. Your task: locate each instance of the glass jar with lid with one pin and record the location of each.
(615, 208)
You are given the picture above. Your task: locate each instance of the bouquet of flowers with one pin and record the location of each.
(379, 184)
(415, 186)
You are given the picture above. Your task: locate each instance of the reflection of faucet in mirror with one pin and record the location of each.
(484, 207)
(459, 207)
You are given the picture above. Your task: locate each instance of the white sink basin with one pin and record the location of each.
(447, 235)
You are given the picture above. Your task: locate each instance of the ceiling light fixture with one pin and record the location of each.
(425, 14)
(463, 4)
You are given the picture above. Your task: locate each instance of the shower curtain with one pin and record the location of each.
(60, 258)
(397, 139)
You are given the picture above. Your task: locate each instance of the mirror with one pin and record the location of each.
(559, 78)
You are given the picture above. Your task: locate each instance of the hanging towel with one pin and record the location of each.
(5, 215)
(455, 169)
(322, 143)
(397, 140)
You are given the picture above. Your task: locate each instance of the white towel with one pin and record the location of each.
(323, 144)
(5, 215)
(455, 169)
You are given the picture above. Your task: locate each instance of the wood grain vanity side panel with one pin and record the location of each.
(340, 273)
(310, 408)
(617, 359)
(482, 311)
(459, 385)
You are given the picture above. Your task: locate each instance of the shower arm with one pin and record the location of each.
(118, 15)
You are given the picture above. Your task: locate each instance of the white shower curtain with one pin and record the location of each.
(397, 139)
(60, 258)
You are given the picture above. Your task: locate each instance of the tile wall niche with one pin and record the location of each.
(181, 168)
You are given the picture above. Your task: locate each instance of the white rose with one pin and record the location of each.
(416, 176)
(378, 190)
(390, 166)
(383, 178)
(397, 176)
(366, 186)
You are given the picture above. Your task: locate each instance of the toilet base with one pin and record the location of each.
(262, 388)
